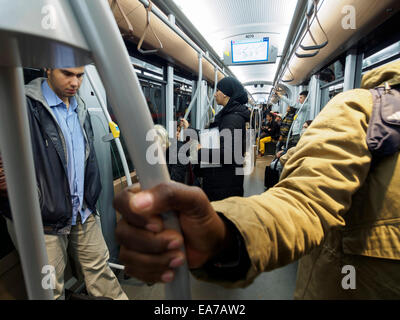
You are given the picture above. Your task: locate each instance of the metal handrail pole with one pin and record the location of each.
(197, 94)
(259, 128)
(215, 90)
(129, 104)
(199, 98)
(191, 104)
(16, 148)
(109, 120)
(210, 103)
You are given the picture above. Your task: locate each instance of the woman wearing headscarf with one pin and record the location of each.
(224, 181)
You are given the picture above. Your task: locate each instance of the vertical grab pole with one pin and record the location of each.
(210, 103)
(16, 147)
(259, 127)
(197, 94)
(199, 98)
(109, 120)
(215, 90)
(129, 104)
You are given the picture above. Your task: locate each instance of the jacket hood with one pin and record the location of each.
(389, 73)
(34, 90)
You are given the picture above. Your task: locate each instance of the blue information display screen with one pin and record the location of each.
(251, 50)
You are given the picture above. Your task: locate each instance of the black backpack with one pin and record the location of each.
(271, 175)
(383, 133)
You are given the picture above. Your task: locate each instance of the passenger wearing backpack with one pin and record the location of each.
(336, 208)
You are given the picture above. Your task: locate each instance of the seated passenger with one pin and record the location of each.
(270, 133)
(330, 209)
(68, 181)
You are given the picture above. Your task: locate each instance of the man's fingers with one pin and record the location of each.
(170, 196)
(151, 268)
(137, 239)
(123, 204)
(142, 208)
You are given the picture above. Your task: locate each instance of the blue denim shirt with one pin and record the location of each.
(72, 131)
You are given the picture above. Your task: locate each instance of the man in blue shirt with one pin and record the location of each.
(68, 181)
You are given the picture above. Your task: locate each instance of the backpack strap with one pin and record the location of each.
(383, 133)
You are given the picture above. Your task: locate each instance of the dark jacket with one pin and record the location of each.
(178, 171)
(223, 182)
(272, 129)
(50, 159)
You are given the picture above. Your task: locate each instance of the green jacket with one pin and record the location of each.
(330, 208)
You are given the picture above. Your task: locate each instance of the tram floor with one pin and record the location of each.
(278, 284)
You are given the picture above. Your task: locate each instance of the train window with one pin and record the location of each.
(331, 80)
(146, 66)
(155, 97)
(182, 99)
(388, 54)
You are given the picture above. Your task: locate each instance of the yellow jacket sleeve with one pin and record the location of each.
(329, 165)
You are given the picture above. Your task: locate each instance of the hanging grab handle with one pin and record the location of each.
(130, 27)
(315, 46)
(290, 74)
(148, 26)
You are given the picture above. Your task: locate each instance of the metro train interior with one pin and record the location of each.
(179, 50)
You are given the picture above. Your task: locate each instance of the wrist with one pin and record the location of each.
(226, 241)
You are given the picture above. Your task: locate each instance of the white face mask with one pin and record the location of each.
(302, 131)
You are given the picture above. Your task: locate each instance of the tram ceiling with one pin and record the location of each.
(220, 21)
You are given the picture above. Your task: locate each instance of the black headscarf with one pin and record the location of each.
(233, 89)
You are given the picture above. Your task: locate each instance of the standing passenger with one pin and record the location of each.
(68, 181)
(302, 109)
(285, 126)
(223, 181)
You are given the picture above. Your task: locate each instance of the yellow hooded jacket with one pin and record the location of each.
(330, 208)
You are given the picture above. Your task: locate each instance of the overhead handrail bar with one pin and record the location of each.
(148, 26)
(179, 32)
(113, 127)
(129, 104)
(288, 68)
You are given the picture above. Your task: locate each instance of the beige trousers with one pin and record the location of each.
(87, 248)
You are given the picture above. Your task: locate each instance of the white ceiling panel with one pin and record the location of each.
(220, 20)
